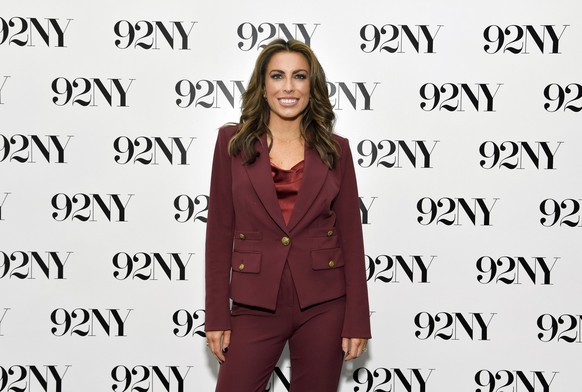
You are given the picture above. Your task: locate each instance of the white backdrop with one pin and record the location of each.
(464, 122)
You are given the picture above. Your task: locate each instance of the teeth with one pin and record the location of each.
(288, 101)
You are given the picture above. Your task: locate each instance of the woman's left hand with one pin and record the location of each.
(353, 347)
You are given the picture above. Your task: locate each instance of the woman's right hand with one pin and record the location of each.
(218, 342)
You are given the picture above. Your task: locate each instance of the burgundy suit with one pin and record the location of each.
(248, 243)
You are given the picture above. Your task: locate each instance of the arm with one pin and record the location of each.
(348, 222)
(219, 237)
(219, 234)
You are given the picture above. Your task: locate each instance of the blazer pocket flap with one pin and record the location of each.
(321, 232)
(247, 235)
(326, 259)
(246, 262)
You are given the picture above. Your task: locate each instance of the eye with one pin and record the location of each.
(301, 76)
(276, 76)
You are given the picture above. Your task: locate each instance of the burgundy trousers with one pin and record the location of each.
(259, 336)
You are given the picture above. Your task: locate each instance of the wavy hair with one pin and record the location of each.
(318, 118)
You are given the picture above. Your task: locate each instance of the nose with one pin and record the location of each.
(288, 86)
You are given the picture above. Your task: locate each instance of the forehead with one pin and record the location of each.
(288, 61)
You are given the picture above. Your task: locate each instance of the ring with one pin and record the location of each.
(365, 349)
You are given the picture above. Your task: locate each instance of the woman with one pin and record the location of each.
(284, 238)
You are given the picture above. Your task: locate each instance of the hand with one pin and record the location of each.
(218, 342)
(353, 347)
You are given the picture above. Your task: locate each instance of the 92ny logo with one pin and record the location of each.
(26, 148)
(396, 154)
(450, 326)
(30, 264)
(513, 380)
(147, 35)
(388, 269)
(145, 378)
(515, 270)
(208, 93)
(23, 378)
(391, 379)
(148, 150)
(21, 31)
(89, 322)
(258, 36)
(521, 39)
(515, 155)
(399, 38)
(90, 92)
(90, 207)
(457, 97)
(455, 211)
(150, 266)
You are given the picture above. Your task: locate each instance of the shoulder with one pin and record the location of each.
(228, 130)
(341, 140)
(343, 144)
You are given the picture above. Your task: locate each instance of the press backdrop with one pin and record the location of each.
(464, 122)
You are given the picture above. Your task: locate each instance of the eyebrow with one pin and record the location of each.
(293, 73)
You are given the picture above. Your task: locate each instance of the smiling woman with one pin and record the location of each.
(287, 94)
(284, 239)
(287, 89)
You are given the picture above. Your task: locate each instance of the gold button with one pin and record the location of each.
(330, 233)
(242, 236)
(241, 267)
(285, 241)
(331, 264)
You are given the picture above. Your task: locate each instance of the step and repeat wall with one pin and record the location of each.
(465, 127)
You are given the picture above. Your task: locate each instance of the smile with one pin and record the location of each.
(288, 101)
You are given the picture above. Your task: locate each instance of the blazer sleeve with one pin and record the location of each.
(219, 237)
(349, 227)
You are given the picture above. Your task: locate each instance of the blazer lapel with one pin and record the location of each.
(262, 180)
(314, 176)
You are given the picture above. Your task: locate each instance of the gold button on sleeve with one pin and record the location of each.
(330, 233)
(331, 264)
(241, 266)
(242, 236)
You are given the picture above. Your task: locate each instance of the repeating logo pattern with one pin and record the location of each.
(465, 137)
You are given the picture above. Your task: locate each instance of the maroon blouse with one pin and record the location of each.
(287, 184)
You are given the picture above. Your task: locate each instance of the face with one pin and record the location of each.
(287, 86)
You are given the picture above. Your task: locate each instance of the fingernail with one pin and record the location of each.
(225, 350)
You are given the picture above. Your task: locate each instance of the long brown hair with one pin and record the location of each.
(318, 118)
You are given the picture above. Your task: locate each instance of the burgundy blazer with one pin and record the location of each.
(248, 242)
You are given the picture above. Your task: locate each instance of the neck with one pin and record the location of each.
(285, 129)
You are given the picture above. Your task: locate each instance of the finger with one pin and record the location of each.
(345, 346)
(349, 351)
(214, 342)
(226, 341)
(357, 347)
